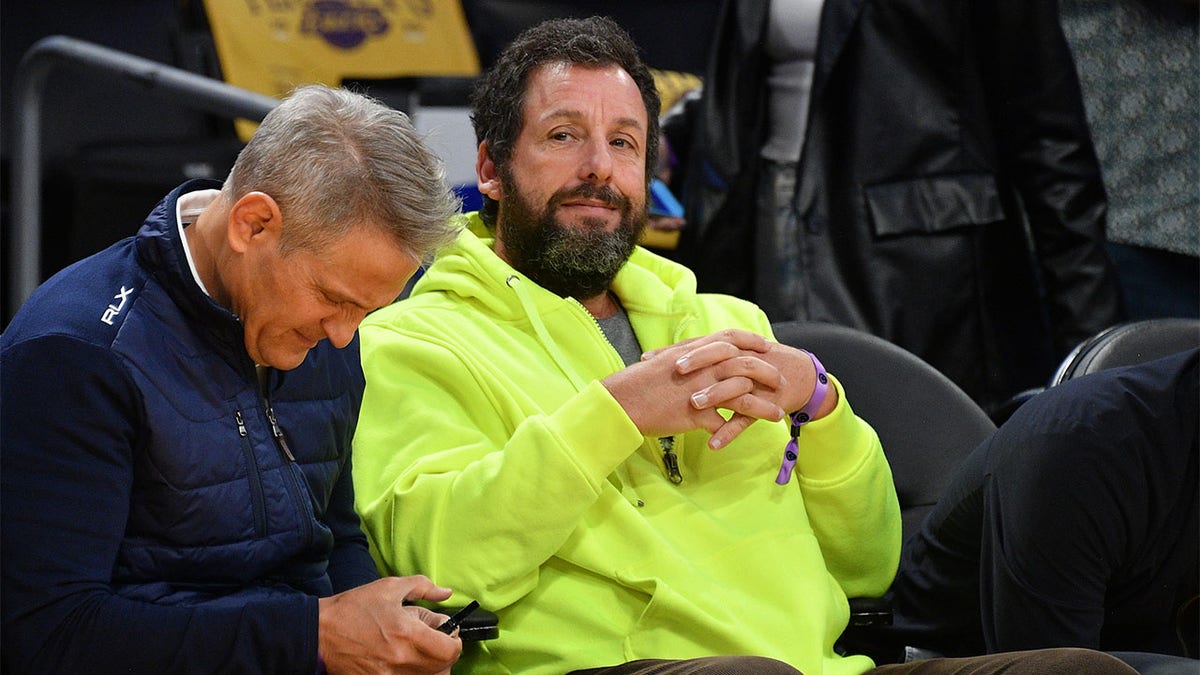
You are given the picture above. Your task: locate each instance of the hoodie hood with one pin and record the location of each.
(470, 271)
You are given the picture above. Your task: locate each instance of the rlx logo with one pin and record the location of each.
(114, 309)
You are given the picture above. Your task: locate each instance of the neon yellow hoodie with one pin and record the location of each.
(489, 457)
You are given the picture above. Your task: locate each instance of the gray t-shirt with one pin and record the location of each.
(619, 332)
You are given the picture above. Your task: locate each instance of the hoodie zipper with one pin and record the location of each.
(669, 458)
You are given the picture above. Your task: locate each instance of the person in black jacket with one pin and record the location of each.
(1075, 524)
(913, 169)
(175, 488)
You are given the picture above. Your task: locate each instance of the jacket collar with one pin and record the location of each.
(161, 251)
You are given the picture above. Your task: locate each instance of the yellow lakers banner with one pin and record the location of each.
(271, 46)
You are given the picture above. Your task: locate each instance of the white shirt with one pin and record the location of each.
(792, 35)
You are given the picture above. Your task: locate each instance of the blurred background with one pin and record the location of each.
(110, 147)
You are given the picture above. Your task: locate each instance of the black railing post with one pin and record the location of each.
(188, 88)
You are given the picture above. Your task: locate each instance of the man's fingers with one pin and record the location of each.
(704, 356)
(431, 649)
(762, 372)
(741, 339)
(729, 430)
(720, 347)
(715, 395)
(420, 587)
(680, 347)
(428, 616)
(754, 407)
(737, 377)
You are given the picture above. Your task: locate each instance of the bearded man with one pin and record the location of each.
(556, 424)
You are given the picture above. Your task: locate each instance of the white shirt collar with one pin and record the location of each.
(187, 209)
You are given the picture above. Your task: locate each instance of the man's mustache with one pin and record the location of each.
(602, 193)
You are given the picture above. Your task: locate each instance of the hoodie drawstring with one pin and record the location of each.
(539, 328)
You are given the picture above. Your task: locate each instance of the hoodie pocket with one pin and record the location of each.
(783, 582)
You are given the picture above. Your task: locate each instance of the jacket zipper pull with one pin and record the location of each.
(278, 433)
(241, 422)
(670, 459)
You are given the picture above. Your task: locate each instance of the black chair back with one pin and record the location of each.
(1127, 344)
(926, 423)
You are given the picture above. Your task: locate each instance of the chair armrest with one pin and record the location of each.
(870, 612)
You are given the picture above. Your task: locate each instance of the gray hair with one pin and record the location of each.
(334, 159)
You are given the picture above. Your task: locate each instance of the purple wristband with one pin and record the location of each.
(801, 417)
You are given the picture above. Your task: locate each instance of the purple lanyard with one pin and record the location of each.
(802, 417)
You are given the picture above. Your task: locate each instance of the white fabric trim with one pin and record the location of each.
(187, 208)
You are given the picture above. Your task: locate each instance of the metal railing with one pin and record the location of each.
(195, 91)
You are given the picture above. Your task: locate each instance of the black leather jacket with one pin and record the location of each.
(949, 196)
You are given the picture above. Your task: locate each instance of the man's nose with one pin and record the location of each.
(598, 164)
(340, 329)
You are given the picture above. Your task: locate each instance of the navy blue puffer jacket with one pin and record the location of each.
(152, 521)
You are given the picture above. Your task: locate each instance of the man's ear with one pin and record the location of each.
(255, 218)
(489, 177)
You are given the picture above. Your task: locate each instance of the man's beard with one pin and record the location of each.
(572, 261)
